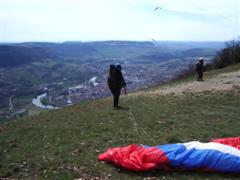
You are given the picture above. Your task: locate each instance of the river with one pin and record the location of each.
(93, 81)
(38, 102)
(11, 103)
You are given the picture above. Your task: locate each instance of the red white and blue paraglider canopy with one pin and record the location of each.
(219, 155)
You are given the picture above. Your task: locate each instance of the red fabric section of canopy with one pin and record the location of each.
(135, 157)
(231, 141)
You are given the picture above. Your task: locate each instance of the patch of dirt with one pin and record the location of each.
(221, 82)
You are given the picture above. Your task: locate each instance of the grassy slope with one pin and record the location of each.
(65, 143)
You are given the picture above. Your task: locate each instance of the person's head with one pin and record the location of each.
(118, 67)
(201, 60)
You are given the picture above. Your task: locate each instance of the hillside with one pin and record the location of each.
(32, 68)
(65, 143)
(14, 55)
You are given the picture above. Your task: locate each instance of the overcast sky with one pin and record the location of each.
(93, 20)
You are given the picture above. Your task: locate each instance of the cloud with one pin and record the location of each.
(60, 20)
(202, 19)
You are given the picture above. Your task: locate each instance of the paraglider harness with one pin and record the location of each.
(116, 79)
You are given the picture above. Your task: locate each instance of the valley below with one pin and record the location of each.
(70, 73)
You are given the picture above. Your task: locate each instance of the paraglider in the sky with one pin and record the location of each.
(157, 9)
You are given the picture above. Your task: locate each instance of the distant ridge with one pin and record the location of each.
(15, 54)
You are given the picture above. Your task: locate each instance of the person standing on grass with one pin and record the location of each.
(116, 83)
(200, 69)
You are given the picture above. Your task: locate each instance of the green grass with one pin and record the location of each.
(65, 143)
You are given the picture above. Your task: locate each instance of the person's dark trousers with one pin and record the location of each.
(116, 94)
(200, 76)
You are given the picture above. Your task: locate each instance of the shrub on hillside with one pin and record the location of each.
(229, 55)
(189, 71)
(209, 67)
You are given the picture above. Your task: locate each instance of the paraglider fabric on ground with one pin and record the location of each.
(219, 155)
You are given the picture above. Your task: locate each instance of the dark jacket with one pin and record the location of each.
(199, 67)
(116, 81)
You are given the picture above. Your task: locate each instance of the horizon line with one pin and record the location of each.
(81, 41)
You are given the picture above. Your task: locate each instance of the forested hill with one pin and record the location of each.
(15, 54)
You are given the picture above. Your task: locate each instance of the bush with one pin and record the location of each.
(229, 55)
(209, 66)
(189, 71)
